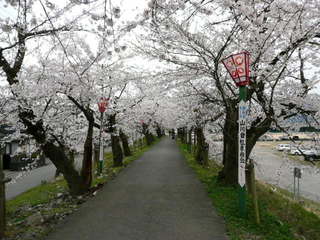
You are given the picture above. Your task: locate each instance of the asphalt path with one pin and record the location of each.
(22, 181)
(157, 197)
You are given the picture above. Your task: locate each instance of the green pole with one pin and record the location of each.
(243, 93)
(242, 149)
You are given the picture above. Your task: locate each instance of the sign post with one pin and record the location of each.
(2, 198)
(103, 104)
(296, 183)
(238, 68)
(242, 137)
(3, 181)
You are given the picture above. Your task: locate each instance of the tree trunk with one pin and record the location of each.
(71, 157)
(173, 133)
(58, 154)
(189, 140)
(115, 143)
(185, 135)
(181, 135)
(159, 131)
(201, 149)
(149, 137)
(96, 157)
(116, 151)
(86, 171)
(229, 173)
(125, 144)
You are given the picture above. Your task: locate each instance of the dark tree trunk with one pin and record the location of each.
(181, 135)
(149, 137)
(58, 154)
(185, 135)
(125, 144)
(71, 157)
(173, 133)
(159, 132)
(201, 149)
(86, 171)
(229, 173)
(189, 140)
(115, 143)
(116, 151)
(96, 156)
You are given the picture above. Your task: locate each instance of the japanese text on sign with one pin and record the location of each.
(242, 142)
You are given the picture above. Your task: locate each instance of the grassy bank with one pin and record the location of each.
(281, 218)
(33, 214)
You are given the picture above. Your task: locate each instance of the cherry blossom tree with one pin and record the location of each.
(51, 89)
(15, 32)
(282, 38)
(67, 106)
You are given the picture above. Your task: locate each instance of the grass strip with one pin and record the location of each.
(281, 218)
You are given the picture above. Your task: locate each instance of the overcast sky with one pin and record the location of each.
(130, 9)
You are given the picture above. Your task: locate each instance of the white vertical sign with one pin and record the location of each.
(242, 143)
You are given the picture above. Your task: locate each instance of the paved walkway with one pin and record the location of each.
(23, 181)
(157, 197)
